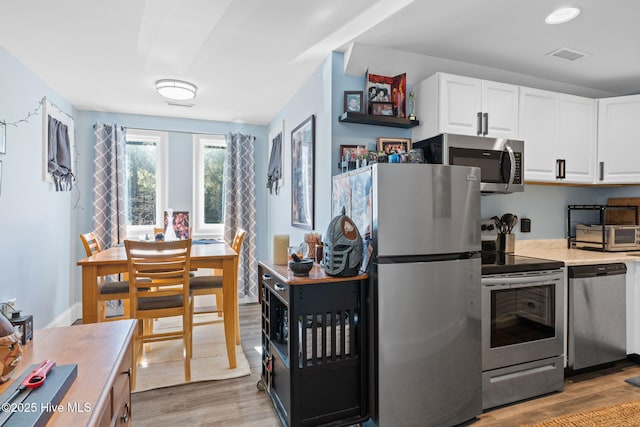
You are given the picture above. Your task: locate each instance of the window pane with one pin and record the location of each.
(140, 163)
(213, 184)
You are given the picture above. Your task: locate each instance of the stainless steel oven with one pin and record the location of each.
(524, 317)
(522, 328)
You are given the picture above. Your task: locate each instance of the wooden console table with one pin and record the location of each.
(103, 353)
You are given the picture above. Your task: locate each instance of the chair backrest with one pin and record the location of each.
(90, 243)
(236, 245)
(167, 264)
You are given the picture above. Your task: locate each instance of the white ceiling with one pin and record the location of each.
(249, 57)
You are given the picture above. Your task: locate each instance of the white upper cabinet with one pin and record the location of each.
(447, 103)
(619, 140)
(559, 136)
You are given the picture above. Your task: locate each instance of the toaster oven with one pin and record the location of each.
(612, 238)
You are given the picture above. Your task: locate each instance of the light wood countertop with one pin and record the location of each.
(556, 249)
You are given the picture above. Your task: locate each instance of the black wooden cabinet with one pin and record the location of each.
(314, 353)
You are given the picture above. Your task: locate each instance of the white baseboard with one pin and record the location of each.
(68, 317)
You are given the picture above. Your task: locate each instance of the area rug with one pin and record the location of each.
(163, 365)
(623, 415)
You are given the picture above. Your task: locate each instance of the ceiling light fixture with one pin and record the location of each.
(562, 15)
(176, 89)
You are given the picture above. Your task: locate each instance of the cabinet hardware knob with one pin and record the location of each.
(486, 124)
(479, 123)
(601, 171)
(124, 418)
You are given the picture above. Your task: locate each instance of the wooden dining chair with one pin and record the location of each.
(108, 290)
(167, 264)
(212, 285)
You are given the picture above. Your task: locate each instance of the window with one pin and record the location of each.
(146, 180)
(209, 154)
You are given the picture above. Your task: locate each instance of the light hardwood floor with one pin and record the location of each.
(238, 402)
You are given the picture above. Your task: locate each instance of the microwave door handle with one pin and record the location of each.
(512, 165)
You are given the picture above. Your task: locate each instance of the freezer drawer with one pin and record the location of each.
(518, 382)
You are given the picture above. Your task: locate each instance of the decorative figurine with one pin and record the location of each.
(412, 105)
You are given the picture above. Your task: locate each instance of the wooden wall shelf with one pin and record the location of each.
(368, 119)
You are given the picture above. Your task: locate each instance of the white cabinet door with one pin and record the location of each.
(559, 136)
(577, 138)
(619, 140)
(500, 110)
(538, 131)
(460, 104)
(466, 106)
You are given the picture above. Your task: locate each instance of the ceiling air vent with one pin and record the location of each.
(567, 54)
(178, 104)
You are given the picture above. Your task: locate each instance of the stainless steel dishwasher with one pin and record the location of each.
(597, 315)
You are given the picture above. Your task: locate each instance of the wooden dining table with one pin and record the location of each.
(212, 255)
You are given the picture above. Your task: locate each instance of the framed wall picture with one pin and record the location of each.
(302, 174)
(394, 145)
(3, 138)
(353, 102)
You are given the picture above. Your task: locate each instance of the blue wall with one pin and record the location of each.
(35, 247)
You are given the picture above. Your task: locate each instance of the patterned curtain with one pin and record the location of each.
(240, 208)
(108, 184)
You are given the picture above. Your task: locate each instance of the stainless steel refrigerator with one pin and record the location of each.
(425, 343)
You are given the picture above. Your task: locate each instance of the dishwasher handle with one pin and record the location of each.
(596, 270)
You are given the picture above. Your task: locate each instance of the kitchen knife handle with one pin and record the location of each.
(486, 124)
(479, 125)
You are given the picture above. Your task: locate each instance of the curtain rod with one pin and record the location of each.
(175, 131)
(170, 131)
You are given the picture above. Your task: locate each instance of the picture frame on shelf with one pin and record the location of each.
(386, 89)
(346, 153)
(353, 101)
(302, 174)
(394, 145)
(382, 109)
(3, 138)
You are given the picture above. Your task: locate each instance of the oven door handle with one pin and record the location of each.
(518, 282)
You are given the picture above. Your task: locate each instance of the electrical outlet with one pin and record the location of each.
(8, 307)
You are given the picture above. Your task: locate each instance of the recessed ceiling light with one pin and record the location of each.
(176, 89)
(562, 15)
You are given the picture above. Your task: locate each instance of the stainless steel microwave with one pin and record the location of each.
(501, 160)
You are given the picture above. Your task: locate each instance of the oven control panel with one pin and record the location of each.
(488, 230)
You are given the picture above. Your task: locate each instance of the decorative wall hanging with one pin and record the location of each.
(58, 147)
(302, 174)
(275, 170)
